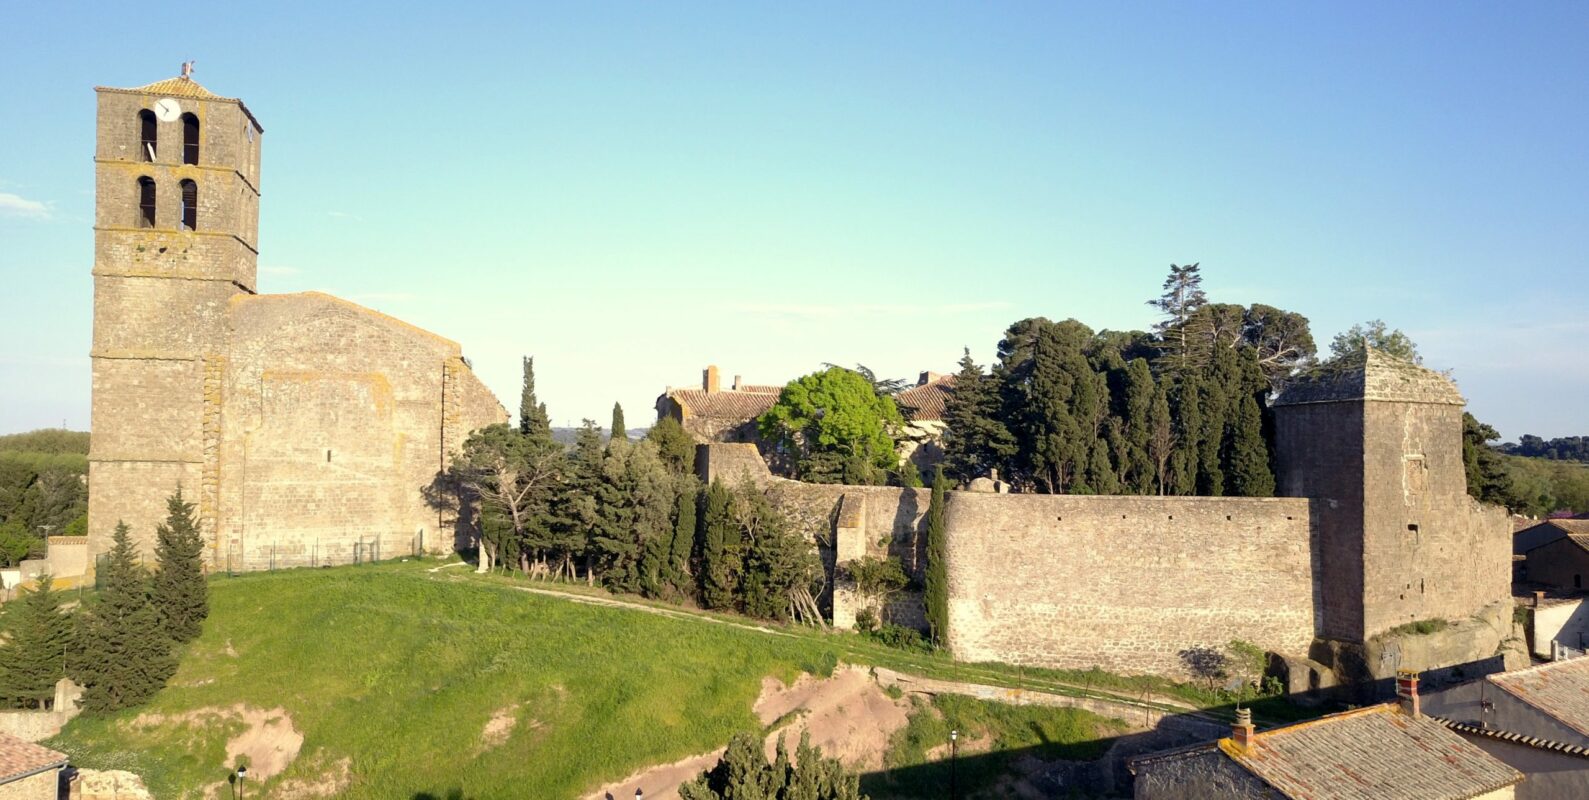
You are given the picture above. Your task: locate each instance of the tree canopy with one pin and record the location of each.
(834, 427)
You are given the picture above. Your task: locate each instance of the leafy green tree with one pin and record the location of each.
(514, 478)
(34, 657)
(1188, 426)
(636, 503)
(877, 580)
(1376, 334)
(688, 496)
(16, 543)
(179, 591)
(576, 516)
(620, 432)
(125, 656)
(936, 594)
(743, 773)
(834, 427)
(721, 556)
(1489, 480)
(908, 475)
(975, 438)
(1137, 428)
(533, 420)
(1161, 439)
(674, 444)
(1054, 402)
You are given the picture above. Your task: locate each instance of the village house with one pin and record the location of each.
(1561, 563)
(29, 771)
(1536, 720)
(1390, 751)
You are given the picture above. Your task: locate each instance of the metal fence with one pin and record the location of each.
(321, 553)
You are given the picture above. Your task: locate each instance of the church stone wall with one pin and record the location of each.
(1125, 583)
(333, 433)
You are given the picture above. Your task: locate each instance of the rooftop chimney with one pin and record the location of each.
(737, 383)
(1539, 598)
(1407, 692)
(928, 377)
(1242, 732)
(709, 380)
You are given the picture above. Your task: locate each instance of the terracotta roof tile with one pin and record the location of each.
(730, 405)
(19, 759)
(181, 87)
(1375, 753)
(1559, 689)
(926, 402)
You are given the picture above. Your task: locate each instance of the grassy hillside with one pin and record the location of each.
(393, 674)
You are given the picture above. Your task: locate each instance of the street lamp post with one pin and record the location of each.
(242, 774)
(639, 795)
(954, 755)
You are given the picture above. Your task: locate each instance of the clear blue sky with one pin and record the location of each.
(631, 191)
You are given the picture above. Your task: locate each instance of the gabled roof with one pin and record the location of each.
(1370, 375)
(1567, 526)
(19, 759)
(1559, 690)
(925, 402)
(727, 405)
(1374, 753)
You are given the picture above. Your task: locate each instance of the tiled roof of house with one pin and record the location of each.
(19, 758)
(732, 405)
(1373, 753)
(1370, 375)
(1559, 689)
(1516, 738)
(925, 402)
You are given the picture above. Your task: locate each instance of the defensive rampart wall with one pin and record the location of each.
(1129, 584)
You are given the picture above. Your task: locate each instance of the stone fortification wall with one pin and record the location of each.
(1126, 583)
(333, 433)
(731, 463)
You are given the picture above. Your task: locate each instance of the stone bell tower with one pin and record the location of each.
(175, 238)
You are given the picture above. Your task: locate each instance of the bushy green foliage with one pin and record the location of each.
(877, 579)
(743, 773)
(1376, 334)
(722, 558)
(533, 419)
(124, 655)
(674, 445)
(782, 572)
(975, 436)
(179, 592)
(53, 441)
(834, 427)
(936, 592)
(33, 657)
(619, 431)
(898, 637)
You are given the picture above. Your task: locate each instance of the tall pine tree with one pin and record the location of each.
(1250, 474)
(34, 657)
(976, 439)
(620, 433)
(179, 591)
(124, 652)
(720, 551)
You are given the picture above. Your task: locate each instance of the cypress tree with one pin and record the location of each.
(936, 594)
(620, 433)
(1250, 474)
(719, 546)
(976, 438)
(683, 534)
(1139, 391)
(1188, 430)
(1161, 440)
(179, 591)
(34, 658)
(533, 420)
(125, 653)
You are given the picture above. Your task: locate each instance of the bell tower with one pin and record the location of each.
(176, 224)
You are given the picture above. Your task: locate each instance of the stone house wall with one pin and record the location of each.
(1562, 563)
(38, 786)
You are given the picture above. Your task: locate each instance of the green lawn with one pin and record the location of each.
(396, 671)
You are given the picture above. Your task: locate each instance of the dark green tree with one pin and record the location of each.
(683, 543)
(533, 420)
(936, 594)
(179, 591)
(1376, 334)
(514, 478)
(1161, 438)
(1250, 473)
(674, 444)
(781, 568)
(620, 433)
(577, 516)
(721, 558)
(1489, 480)
(1184, 462)
(975, 438)
(1183, 295)
(1137, 427)
(908, 475)
(124, 655)
(743, 773)
(34, 657)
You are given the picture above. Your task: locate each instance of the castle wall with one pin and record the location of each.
(1125, 583)
(333, 433)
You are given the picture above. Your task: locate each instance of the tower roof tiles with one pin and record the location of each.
(181, 86)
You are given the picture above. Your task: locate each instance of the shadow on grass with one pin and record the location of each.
(452, 794)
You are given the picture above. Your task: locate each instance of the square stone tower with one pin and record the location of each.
(175, 238)
(1377, 443)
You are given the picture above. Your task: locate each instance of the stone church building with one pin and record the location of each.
(305, 428)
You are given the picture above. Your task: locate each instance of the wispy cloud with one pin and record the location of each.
(276, 269)
(13, 205)
(834, 310)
